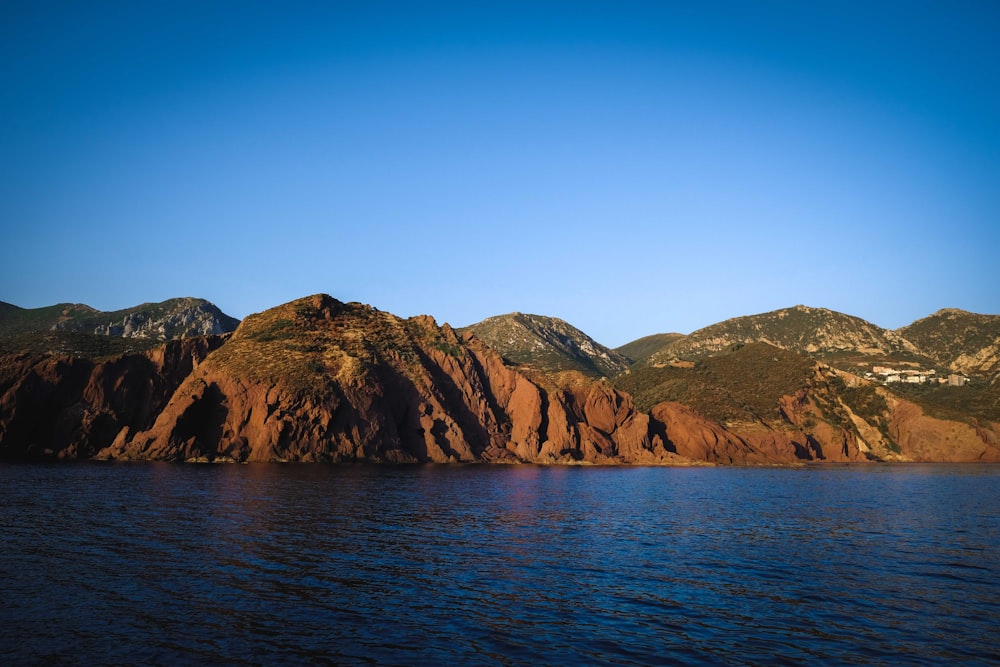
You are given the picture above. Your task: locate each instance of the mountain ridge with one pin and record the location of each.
(845, 340)
(163, 320)
(547, 344)
(317, 379)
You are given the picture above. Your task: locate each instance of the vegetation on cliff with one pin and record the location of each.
(639, 350)
(958, 340)
(74, 344)
(743, 384)
(848, 341)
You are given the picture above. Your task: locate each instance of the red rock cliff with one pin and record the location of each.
(66, 407)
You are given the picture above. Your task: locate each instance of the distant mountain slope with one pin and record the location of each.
(850, 341)
(640, 350)
(548, 345)
(761, 392)
(74, 344)
(15, 320)
(963, 342)
(167, 320)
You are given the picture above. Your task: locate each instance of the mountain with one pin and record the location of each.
(166, 320)
(321, 380)
(547, 345)
(764, 394)
(638, 351)
(958, 340)
(846, 341)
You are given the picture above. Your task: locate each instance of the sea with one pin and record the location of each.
(286, 564)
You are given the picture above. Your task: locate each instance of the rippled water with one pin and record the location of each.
(287, 564)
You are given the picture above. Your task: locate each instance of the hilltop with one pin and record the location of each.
(77, 329)
(548, 345)
(166, 320)
(949, 341)
(824, 334)
(958, 340)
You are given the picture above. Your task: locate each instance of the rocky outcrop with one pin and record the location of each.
(757, 443)
(175, 318)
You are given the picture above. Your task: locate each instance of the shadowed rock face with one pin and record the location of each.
(321, 380)
(69, 407)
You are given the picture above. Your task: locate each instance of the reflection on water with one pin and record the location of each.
(498, 565)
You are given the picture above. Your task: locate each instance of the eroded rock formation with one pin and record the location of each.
(67, 407)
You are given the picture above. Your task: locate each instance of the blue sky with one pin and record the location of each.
(630, 167)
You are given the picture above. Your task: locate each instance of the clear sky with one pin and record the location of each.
(630, 167)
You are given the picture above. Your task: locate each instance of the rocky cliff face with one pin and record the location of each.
(321, 380)
(177, 318)
(71, 407)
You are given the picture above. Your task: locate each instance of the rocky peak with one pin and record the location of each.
(167, 320)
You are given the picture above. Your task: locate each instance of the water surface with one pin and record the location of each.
(354, 564)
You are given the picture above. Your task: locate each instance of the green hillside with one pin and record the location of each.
(639, 351)
(738, 385)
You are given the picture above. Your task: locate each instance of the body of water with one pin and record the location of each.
(504, 565)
